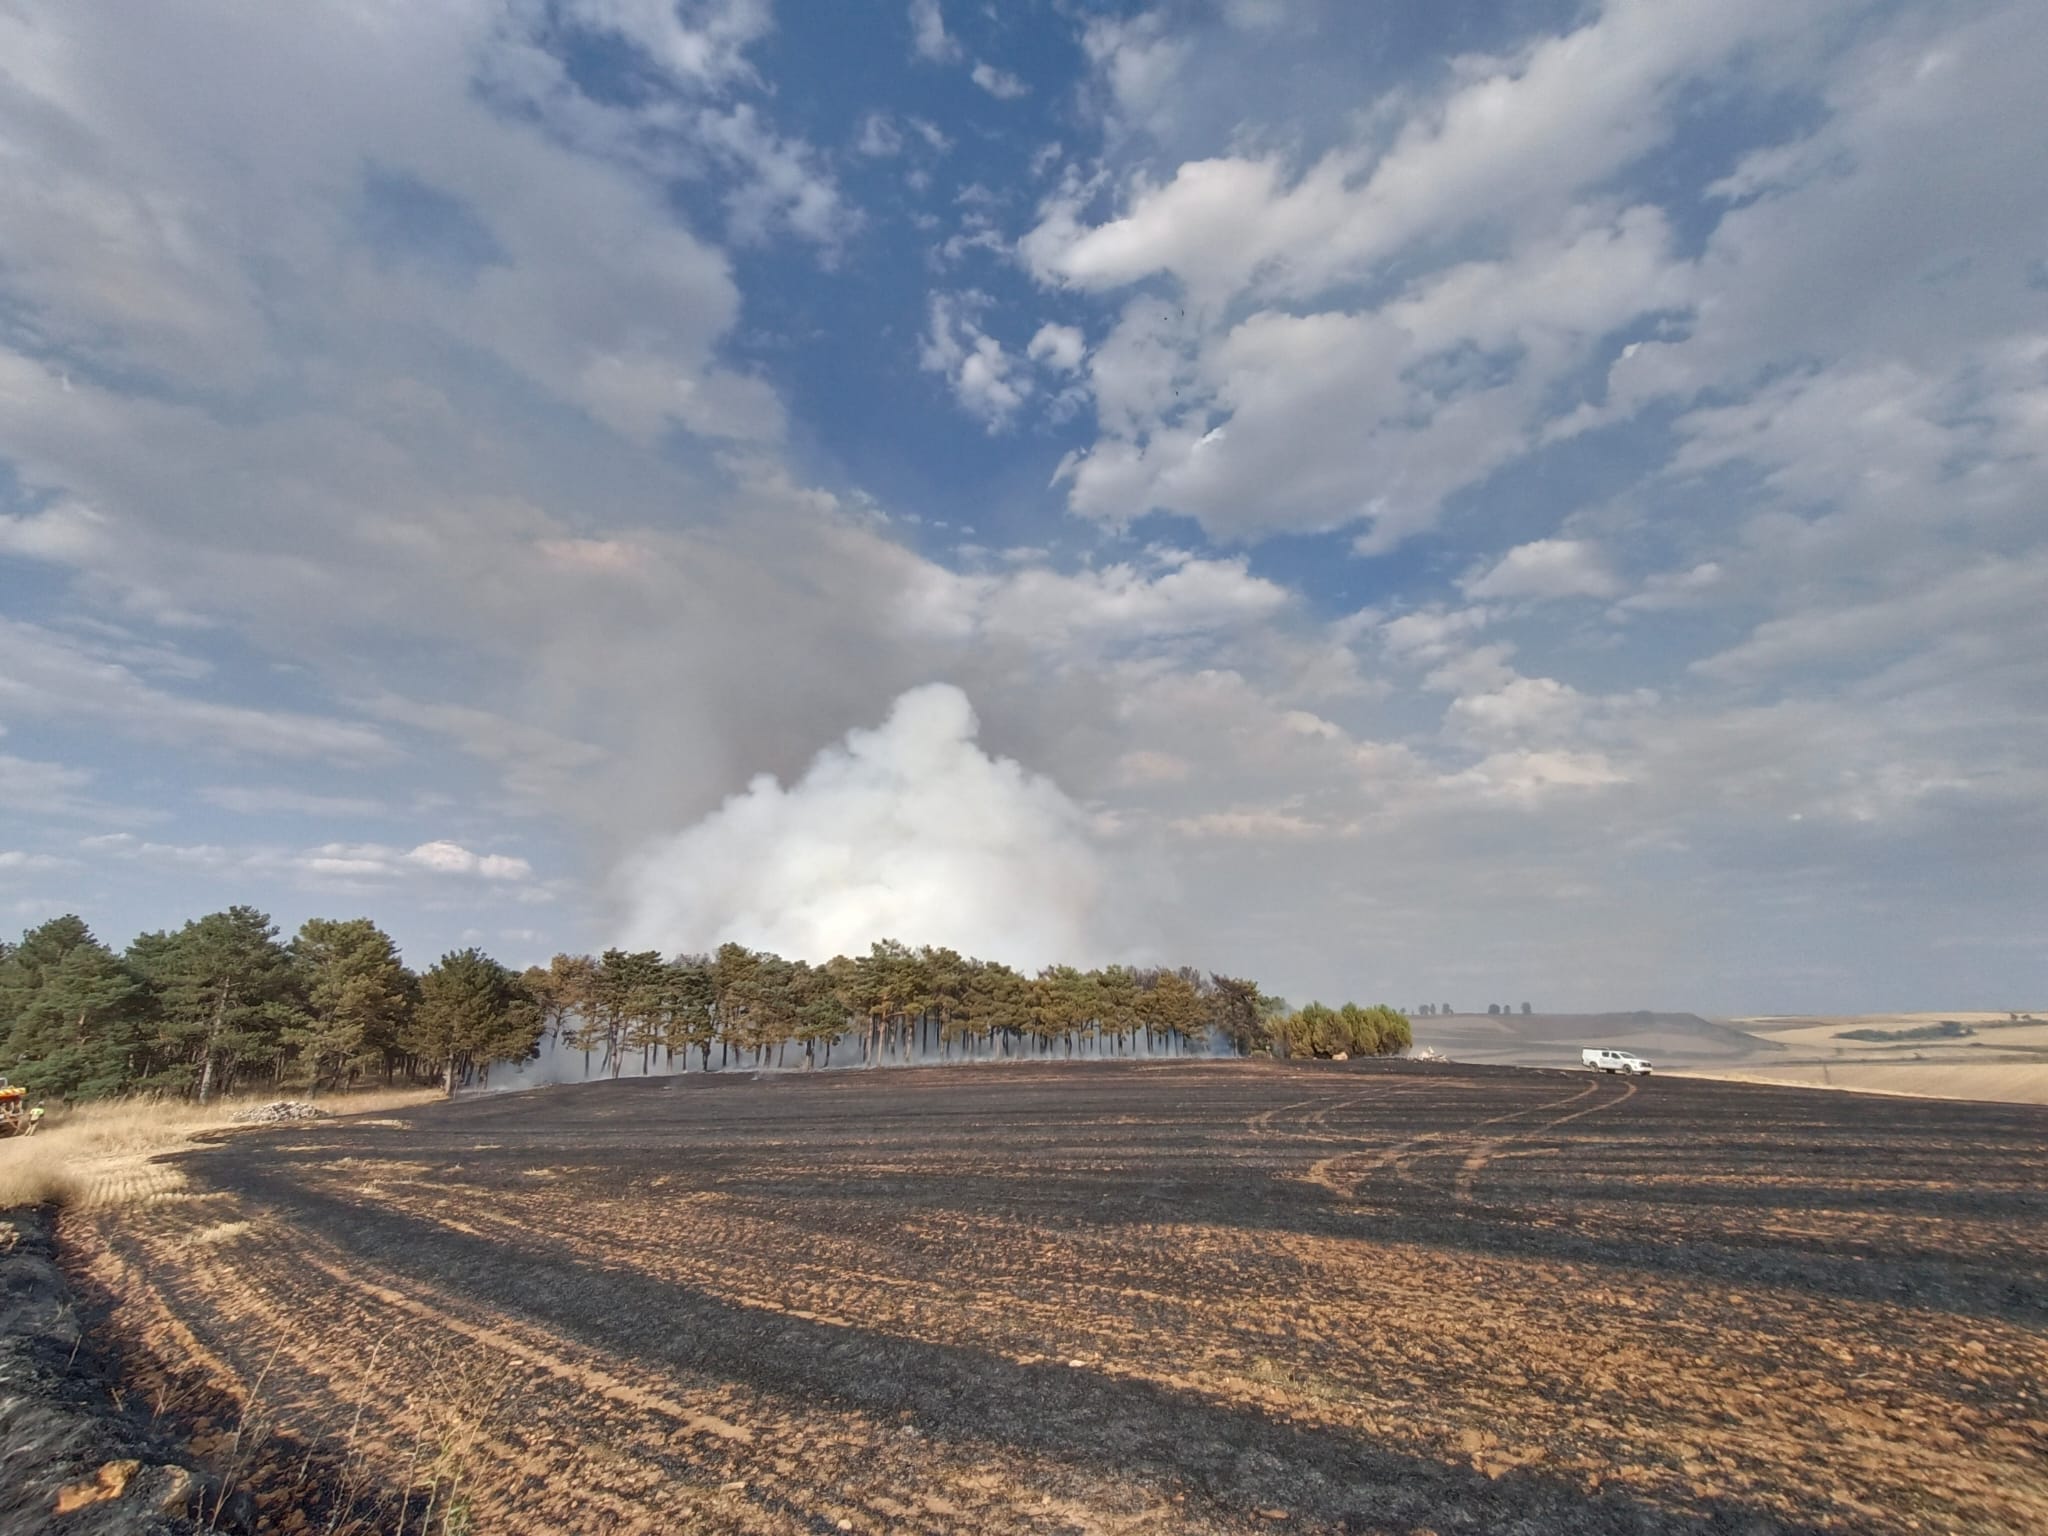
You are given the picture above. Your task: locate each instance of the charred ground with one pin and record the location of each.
(1137, 1297)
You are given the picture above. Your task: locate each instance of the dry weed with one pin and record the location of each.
(102, 1154)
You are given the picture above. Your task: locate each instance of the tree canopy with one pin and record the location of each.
(221, 1004)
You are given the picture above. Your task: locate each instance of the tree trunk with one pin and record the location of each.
(220, 1011)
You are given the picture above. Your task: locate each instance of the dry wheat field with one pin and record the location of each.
(1171, 1297)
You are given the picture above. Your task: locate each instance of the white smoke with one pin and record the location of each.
(909, 831)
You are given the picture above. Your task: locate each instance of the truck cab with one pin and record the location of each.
(1602, 1060)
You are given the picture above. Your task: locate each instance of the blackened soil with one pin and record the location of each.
(1126, 1297)
(74, 1456)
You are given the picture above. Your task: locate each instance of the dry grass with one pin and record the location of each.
(1938, 1077)
(105, 1154)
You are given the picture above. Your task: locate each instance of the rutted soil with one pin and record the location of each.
(1173, 1297)
(73, 1455)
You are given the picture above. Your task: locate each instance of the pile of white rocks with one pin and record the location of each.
(278, 1112)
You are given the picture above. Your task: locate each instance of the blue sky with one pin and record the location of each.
(1409, 501)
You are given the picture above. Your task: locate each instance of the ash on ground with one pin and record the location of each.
(70, 1457)
(279, 1112)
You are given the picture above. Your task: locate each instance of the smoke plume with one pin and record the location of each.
(908, 831)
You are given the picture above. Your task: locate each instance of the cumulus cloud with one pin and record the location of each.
(453, 859)
(1060, 347)
(1290, 420)
(1546, 568)
(928, 35)
(1529, 776)
(703, 44)
(431, 454)
(1139, 62)
(985, 378)
(910, 830)
(999, 83)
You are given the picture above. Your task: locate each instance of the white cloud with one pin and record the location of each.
(502, 492)
(909, 831)
(453, 859)
(1547, 568)
(999, 83)
(51, 675)
(1431, 634)
(166, 258)
(1983, 609)
(1528, 777)
(1255, 824)
(1511, 135)
(1145, 767)
(1140, 63)
(782, 183)
(879, 137)
(1527, 707)
(1119, 606)
(928, 35)
(1674, 589)
(1303, 421)
(706, 46)
(985, 379)
(1060, 347)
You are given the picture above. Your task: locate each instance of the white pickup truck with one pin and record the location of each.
(1613, 1061)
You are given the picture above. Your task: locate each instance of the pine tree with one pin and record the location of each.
(472, 1012)
(226, 991)
(74, 1018)
(359, 999)
(693, 1007)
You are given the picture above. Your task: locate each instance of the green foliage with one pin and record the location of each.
(1316, 1030)
(73, 1017)
(359, 1000)
(1947, 1029)
(472, 1012)
(226, 991)
(221, 1004)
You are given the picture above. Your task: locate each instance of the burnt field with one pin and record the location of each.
(1110, 1298)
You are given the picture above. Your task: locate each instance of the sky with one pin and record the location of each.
(1483, 503)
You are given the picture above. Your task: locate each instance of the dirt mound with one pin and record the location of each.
(278, 1112)
(67, 1452)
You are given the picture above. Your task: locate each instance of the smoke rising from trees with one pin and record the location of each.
(907, 828)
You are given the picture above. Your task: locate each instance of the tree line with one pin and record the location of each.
(224, 1005)
(1432, 1010)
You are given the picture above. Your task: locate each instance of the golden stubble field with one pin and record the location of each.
(2003, 1058)
(1198, 1297)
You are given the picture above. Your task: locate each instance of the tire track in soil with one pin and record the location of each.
(1477, 1159)
(1400, 1156)
(1468, 1358)
(261, 1296)
(1124, 1349)
(260, 1293)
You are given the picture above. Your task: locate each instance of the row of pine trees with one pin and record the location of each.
(224, 1005)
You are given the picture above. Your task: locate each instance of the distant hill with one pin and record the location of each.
(1554, 1039)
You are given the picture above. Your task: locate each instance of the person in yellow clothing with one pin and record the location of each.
(35, 1118)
